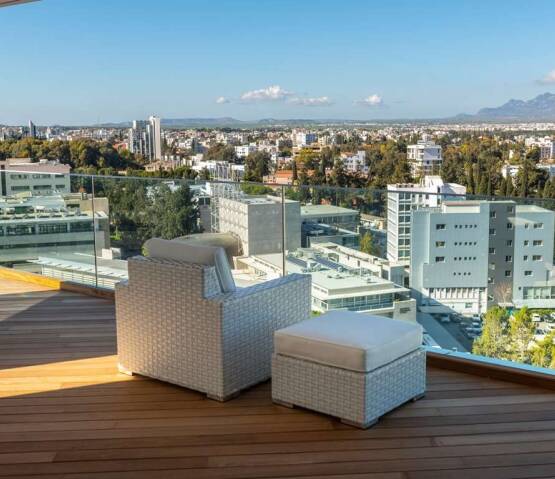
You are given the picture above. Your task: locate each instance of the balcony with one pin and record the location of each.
(65, 411)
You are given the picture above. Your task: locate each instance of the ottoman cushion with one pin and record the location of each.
(349, 340)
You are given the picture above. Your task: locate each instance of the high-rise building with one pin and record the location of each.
(32, 130)
(424, 157)
(469, 255)
(156, 129)
(145, 138)
(402, 199)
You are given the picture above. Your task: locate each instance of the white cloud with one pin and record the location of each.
(317, 101)
(271, 93)
(371, 100)
(222, 100)
(548, 79)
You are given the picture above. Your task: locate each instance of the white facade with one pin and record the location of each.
(304, 139)
(402, 200)
(21, 175)
(145, 138)
(468, 255)
(545, 145)
(355, 163)
(243, 151)
(257, 222)
(425, 157)
(336, 286)
(50, 225)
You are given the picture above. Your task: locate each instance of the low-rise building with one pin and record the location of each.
(41, 177)
(258, 222)
(337, 286)
(331, 215)
(33, 226)
(355, 163)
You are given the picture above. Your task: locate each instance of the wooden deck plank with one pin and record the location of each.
(66, 411)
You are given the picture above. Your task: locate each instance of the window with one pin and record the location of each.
(440, 227)
(509, 242)
(510, 209)
(492, 231)
(492, 266)
(492, 251)
(468, 305)
(508, 259)
(440, 244)
(492, 214)
(528, 273)
(538, 226)
(508, 273)
(440, 259)
(537, 243)
(537, 257)
(509, 226)
(525, 257)
(526, 226)
(526, 242)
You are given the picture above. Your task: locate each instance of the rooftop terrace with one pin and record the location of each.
(66, 412)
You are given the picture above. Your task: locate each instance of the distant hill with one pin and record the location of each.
(540, 108)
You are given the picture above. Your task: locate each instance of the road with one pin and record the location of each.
(439, 333)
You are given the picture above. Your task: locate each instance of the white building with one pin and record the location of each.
(425, 157)
(302, 138)
(469, 255)
(36, 226)
(21, 175)
(257, 222)
(336, 285)
(355, 163)
(243, 151)
(145, 138)
(402, 200)
(545, 145)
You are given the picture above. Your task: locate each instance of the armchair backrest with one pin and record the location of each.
(192, 253)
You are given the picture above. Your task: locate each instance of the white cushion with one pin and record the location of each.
(192, 253)
(349, 340)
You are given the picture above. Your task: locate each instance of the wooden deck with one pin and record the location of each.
(66, 412)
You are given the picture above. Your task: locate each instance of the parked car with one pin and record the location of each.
(444, 318)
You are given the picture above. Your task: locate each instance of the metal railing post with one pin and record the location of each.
(283, 232)
(94, 233)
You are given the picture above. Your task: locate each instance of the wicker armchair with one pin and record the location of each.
(175, 324)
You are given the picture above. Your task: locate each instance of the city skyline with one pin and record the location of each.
(87, 63)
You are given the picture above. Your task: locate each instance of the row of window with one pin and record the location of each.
(48, 228)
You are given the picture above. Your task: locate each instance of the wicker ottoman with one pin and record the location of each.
(350, 365)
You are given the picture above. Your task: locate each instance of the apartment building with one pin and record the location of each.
(145, 138)
(257, 222)
(546, 146)
(243, 151)
(424, 157)
(355, 163)
(302, 138)
(468, 255)
(402, 200)
(44, 177)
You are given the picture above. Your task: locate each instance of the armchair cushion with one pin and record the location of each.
(194, 253)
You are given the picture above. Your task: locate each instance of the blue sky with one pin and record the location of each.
(83, 61)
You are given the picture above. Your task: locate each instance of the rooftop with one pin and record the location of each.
(314, 210)
(65, 411)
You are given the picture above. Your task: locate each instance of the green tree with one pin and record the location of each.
(521, 335)
(367, 244)
(493, 341)
(257, 165)
(544, 354)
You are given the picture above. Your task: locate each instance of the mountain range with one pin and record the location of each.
(540, 108)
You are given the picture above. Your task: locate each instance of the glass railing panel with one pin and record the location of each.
(47, 225)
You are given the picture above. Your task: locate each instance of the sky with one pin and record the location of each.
(79, 62)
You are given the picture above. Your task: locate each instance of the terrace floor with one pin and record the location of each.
(66, 412)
